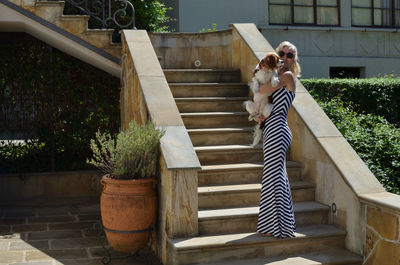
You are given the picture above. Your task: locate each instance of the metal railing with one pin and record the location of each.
(110, 13)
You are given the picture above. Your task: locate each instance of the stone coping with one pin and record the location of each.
(176, 146)
(385, 199)
(184, 34)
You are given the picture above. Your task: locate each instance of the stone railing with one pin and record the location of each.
(358, 202)
(145, 95)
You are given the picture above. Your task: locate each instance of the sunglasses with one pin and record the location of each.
(289, 55)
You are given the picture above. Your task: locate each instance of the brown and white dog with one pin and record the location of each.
(266, 71)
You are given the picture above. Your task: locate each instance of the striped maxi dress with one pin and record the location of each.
(276, 214)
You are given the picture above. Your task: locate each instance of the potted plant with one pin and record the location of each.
(128, 203)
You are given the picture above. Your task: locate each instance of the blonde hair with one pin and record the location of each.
(295, 69)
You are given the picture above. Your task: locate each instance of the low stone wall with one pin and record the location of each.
(382, 237)
(146, 96)
(45, 187)
(181, 50)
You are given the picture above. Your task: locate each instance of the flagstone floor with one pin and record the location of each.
(57, 234)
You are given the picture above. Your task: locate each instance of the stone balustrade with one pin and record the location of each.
(145, 95)
(358, 202)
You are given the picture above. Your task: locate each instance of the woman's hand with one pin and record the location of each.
(259, 119)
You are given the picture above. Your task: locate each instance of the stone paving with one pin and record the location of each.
(55, 235)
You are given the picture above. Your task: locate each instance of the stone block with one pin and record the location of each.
(371, 239)
(89, 217)
(75, 243)
(384, 253)
(34, 245)
(53, 211)
(386, 224)
(12, 220)
(145, 59)
(5, 229)
(51, 219)
(50, 262)
(159, 101)
(54, 235)
(71, 226)
(88, 208)
(29, 228)
(4, 246)
(56, 254)
(11, 257)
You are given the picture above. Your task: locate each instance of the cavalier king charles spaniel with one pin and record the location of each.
(266, 71)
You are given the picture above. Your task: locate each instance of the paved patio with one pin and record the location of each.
(57, 234)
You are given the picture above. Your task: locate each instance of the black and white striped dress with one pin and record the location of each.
(276, 214)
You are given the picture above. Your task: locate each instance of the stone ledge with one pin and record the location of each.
(382, 199)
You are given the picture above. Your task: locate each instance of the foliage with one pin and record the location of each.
(132, 155)
(379, 96)
(214, 28)
(53, 103)
(150, 15)
(374, 139)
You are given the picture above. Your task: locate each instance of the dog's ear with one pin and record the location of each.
(272, 61)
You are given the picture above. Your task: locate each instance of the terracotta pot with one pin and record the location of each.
(127, 206)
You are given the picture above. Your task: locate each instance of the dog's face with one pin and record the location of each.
(271, 61)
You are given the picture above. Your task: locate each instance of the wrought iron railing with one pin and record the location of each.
(110, 13)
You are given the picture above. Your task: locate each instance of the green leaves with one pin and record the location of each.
(133, 154)
(374, 139)
(378, 96)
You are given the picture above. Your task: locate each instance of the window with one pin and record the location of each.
(375, 13)
(346, 72)
(304, 12)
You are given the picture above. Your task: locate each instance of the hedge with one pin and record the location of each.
(378, 96)
(374, 139)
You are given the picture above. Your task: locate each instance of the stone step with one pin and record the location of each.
(209, 89)
(101, 38)
(49, 10)
(242, 195)
(114, 49)
(334, 256)
(221, 136)
(229, 154)
(241, 173)
(244, 219)
(74, 24)
(196, 120)
(210, 104)
(202, 75)
(213, 248)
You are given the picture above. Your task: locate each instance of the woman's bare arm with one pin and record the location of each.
(286, 79)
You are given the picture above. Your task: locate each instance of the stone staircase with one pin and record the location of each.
(52, 11)
(210, 103)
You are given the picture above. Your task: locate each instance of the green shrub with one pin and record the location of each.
(379, 96)
(374, 139)
(132, 155)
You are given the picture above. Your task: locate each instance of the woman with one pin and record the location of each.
(276, 216)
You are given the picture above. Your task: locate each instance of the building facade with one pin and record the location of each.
(335, 38)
